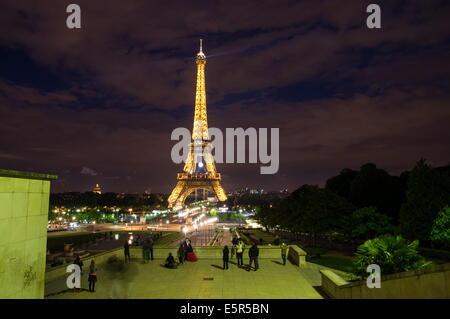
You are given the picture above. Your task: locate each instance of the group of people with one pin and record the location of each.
(185, 253)
(238, 248)
(147, 248)
(92, 279)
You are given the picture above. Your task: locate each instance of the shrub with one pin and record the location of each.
(366, 223)
(440, 233)
(392, 253)
(60, 261)
(434, 253)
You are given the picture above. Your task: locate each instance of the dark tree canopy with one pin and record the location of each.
(427, 194)
(341, 183)
(371, 186)
(309, 209)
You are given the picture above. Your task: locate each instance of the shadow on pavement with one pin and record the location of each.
(218, 267)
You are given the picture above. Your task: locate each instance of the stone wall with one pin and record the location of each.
(24, 201)
(431, 283)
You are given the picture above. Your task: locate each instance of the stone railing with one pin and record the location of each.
(431, 282)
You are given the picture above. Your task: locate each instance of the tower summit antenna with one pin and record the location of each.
(201, 55)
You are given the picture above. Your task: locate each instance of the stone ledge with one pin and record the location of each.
(297, 255)
(26, 175)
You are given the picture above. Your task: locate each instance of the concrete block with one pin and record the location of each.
(34, 204)
(46, 187)
(21, 185)
(19, 205)
(35, 186)
(5, 205)
(6, 184)
(16, 230)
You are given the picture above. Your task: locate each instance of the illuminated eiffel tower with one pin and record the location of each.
(199, 170)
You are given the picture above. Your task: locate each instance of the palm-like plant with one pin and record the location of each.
(392, 253)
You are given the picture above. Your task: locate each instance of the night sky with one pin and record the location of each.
(98, 104)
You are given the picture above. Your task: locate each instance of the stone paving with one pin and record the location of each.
(193, 281)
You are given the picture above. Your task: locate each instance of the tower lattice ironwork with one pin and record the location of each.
(199, 170)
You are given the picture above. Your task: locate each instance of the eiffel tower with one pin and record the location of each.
(199, 170)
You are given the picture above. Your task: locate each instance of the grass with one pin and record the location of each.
(257, 233)
(168, 237)
(338, 263)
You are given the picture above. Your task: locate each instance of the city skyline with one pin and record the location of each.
(92, 105)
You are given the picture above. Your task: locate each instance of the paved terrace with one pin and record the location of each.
(195, 280)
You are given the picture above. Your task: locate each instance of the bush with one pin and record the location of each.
(366, 223)
(434, 253)
(440, 233)
(392, 253)
(59, 261)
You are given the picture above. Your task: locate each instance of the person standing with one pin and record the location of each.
(225, 257)
(253, 253)
(181, 254)
(284, 249)
(233, 251)
(146, 251)
(126, 250)
(79, 263)
(92, 276)
(239, 252)
(150, 248)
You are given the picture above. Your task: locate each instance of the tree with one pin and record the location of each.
(314, 210)
(375, 187)
(427, 194)
(392, 253)
(440, 233)
(341, 183)
(366, 223)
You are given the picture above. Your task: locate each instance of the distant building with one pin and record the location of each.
(97, 189)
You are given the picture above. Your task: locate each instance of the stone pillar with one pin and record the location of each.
(24, 205)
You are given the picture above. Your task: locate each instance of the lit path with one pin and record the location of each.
(201, 237)
(152, 281)
(226, 239)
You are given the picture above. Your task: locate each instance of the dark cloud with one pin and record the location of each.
(108, 96)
